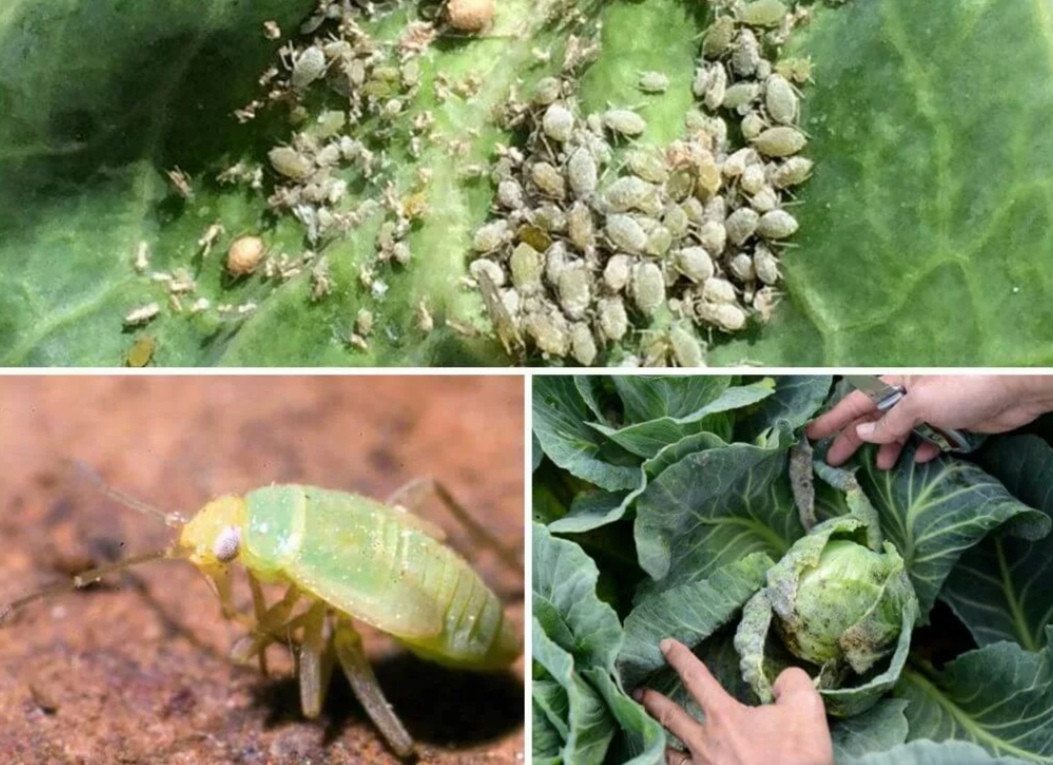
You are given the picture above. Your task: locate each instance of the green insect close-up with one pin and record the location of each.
(320, 562)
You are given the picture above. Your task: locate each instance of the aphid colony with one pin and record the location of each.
(598, 242)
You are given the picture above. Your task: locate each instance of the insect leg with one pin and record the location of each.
(259, 607)
(268, 629)
(412, 495)
(316, 660)
(348, 645)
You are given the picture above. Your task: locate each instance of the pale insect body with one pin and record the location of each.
(348, 556)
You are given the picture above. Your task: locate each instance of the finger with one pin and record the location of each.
(846, 444)
(927, 452)
(851, 407)
(677, 756)
(888, 454)
(794, 688)
(669, 715)
(896, 425)
(698, 680)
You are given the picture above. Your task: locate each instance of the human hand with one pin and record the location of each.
(792, 731)
(979, 403)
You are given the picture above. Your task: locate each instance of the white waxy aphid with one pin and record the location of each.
(491, 236)
(625, 233)
(549, 217)
(766, 266)
(556, 259)
(717, 290)
(741, 225)
(290, 163)
(329, 155)
(776, 224)
(735, 164)
(693, 209)
(780, 141)
(762, 13)
(764, 303)
(549, 329)
(647, 287)
(510, 298)
(707, 174)
(142, 315)
(741, 267)
(558, 122)
(632, 193)
(740, 94)
(582, 344)
(510, 194)
(617, 272)
(726, 316)
(700, 83)
(546, 91)
(717, 86)
(686, 347)
(752, 179)
(364, 322)
(765, 200)
(780, 99)
(747, 54)
(582, 173)
(764, 70)
(580, 228)
(718, 37)
(713, 236)
(613, 320)
(142, 257)
(308, 67)
(653, 82)
(659, 240)
(490, 268)
(647, 165)
(675, 220)
(401, 253)
(244, 255)
(680, 184)
(646, 223)
(793, 171)
(548, 180)
(574, 288)
(695, 263)
(525, 263)
(594, 142)
(752, 125)
(624, 121)
(716, 210)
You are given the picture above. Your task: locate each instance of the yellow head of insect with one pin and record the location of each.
(212, 538)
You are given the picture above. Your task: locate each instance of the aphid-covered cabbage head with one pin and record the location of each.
(836, 606)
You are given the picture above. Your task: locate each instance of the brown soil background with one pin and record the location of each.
(137, 670)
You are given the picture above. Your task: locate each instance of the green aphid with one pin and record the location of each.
(762, 13)
(341, 556)
(718, 37)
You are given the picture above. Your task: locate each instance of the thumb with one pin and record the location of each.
(792, 685)
(896, 425)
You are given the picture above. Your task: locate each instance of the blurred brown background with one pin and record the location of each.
(137, 671)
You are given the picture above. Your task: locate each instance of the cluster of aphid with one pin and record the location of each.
(595, 238)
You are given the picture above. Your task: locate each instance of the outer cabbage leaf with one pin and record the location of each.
(880, 728)
(931, 753)
(1002, 589)
(999, 696)
(935, 511)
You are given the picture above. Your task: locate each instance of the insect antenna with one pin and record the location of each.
(86, 578)
(173, 520)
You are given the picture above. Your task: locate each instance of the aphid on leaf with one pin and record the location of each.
(582, 172)
(141, 352)
(613, 320)
(271, 30)
(181, 181)
(547, 90)
(342, 556)
(762, 13)
(244, 255)
(694, 263)
(557, 122)
(776, 224)
(624, 121)
(504, 325)
(716, 87)
(550, 331)
(290, 163)
(741, 225)
(142, 315)
(780, 141)
(582, 344)
(617, 272)
(307, 67)
(491, 236)
(747, 54)
(648, 287)
(717, 290)
(718, 37)
(625, 233)
(780, 99)
(142, 257)
(686, 347)
(209, 238)
(793, 171)
(548, 180)
(653, 82)
(574, 290)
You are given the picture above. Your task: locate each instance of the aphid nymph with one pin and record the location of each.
(341, 556)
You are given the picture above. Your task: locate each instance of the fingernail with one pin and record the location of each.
(665, 646)
(865, 430)
(638, 694)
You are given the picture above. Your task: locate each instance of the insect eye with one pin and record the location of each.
(226, 545)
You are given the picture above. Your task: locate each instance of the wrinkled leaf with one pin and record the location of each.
(1002, 589)
(930, 753)
(641, 739)
(880, 728)
(795, 402)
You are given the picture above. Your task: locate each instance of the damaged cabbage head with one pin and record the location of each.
(840, 606)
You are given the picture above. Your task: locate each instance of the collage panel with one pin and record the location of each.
(409, 183)
(792, 569)
(304, 502)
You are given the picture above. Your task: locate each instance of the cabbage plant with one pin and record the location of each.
(930, 195)
(919, 599)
